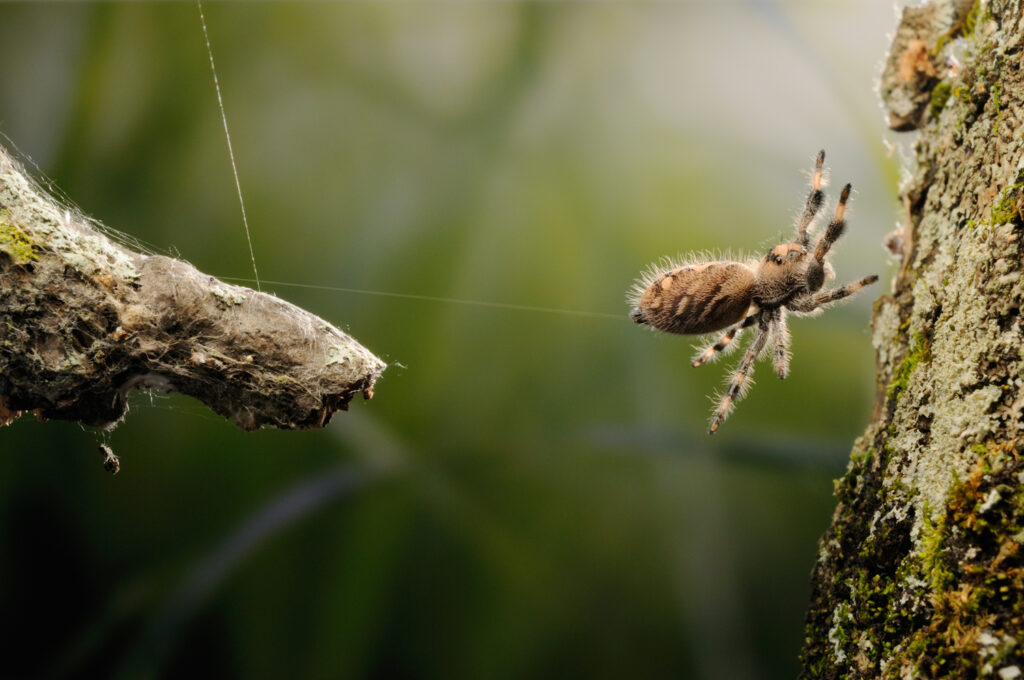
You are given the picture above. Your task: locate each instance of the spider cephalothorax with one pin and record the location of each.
(704, 295)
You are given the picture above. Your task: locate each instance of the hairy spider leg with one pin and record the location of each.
(825, 297)
(713, 350)
(814, 201)
(779, 339)
(741, 378)
(835, 228)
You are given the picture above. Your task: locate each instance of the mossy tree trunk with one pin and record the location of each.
(921, 573)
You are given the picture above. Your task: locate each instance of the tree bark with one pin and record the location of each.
(83, 320)
(921, 573)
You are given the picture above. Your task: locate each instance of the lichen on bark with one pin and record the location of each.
(84, 320)
(921, 573)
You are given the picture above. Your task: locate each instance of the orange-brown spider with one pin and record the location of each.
(702, 295)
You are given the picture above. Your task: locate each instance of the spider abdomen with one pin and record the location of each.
(694, 299)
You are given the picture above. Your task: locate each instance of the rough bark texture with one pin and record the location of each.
(921, 574)
(83, 320)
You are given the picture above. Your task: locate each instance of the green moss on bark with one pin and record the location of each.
(919, 352)
(973, 555)
(15, 242)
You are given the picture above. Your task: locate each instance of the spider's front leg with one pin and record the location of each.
(714, 350)
(741, 378)
(816, 270)
(808, 304)
(814, 201)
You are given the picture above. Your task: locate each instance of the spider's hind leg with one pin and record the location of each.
(741, 378)
(712, 351)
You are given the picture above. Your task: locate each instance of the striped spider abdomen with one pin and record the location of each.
(693, 299)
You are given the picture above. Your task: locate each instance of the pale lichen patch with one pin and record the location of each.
(886, 329)
(229, 296)
(336, 355)
(1009, 672)
(924, 295)
(841, 618)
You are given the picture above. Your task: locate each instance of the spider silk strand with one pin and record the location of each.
(227, 135)
(433, 298)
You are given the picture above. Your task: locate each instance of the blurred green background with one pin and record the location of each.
(529, 494)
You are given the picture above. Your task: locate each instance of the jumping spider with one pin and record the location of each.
(703, 296)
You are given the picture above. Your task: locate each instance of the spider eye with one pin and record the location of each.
(778, 259)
